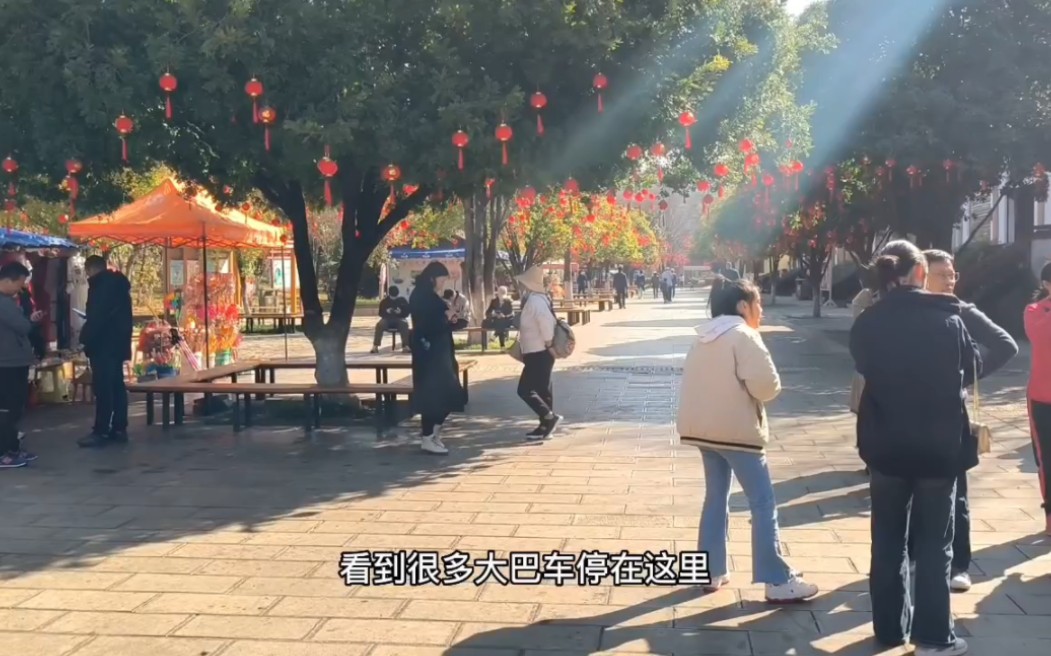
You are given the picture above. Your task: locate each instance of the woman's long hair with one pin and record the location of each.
(1045, 276)
(895, 262)
(428, 278)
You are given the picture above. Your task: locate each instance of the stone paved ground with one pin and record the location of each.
(201, 543)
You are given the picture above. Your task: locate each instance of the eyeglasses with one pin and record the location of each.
(953, 276)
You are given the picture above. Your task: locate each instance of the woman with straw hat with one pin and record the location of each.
(536, 333)
(436, 389)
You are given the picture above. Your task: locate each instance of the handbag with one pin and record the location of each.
(515, 351)
(980, 431)
(565, 341)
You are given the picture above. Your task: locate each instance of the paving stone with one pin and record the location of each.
(137, 646)
(13, 643)
(386, 631)
(24, 619)
(285, 648)
(87, 600)
(217, 604)
(258, 628)
(128, 624)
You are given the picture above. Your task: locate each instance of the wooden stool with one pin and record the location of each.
(82, 385)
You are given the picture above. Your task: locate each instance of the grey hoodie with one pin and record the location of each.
(15, 347)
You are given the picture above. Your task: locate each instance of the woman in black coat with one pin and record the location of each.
(436, 389)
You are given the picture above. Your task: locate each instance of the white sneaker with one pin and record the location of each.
(794, 591)
(960, 582)
(957, 649)
(375, 349)
(438, 436)
(717, 582)
(429, 445)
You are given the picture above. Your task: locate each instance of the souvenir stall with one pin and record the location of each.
(407, 263)
(202, 292)
(53, 263)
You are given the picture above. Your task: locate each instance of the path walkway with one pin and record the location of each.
(202, 543)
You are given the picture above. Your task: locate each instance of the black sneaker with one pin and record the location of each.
(93, 441)
(547, 428)
(118, 437)
(536, 432)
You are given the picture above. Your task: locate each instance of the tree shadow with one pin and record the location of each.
(684, 621)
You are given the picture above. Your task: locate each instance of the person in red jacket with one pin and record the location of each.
(1038, 331)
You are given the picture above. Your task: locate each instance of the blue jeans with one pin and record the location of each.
(922, 509)
(768, 565)
(961, 541)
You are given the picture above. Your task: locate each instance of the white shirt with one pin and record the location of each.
(536, 327)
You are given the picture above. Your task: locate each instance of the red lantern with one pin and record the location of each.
(633, 152)
(391, 174)
(611, 198)
(891, 163)
(538, 101)
(73, 168)
(590, 218)
(658, 151)
(915, 176)
(707, 202)
(600, 83)
(721, 170)
(768, 180)
(124, 126)
(529, 194)
(267, 116)
(704, 186)
(639, 197)
(948, 165)
(687, 120)
(168, 85)
(628, 195)
(572, 187)
(254, 89)
(797, 167)
(504, 133)
(328, 168)
(746, 146)
(64, 219)
(663, 205)
(10, 165)
(460, 141)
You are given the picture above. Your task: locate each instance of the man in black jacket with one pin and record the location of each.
(620, 287)
(394, 314)
(917, 358)
(997, 348)
(106, 337)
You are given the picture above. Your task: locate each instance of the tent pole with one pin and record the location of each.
(204, 264)
(284, 298)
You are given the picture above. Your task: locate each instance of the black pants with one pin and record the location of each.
(961, 541)
(428, 422)
(656, 290)
(667, 293)
(460, 324)
(111, 397)
(387, 323)
(534, 385)
(621, 298)
(14, 393)
(1040, 430)
(931, 522)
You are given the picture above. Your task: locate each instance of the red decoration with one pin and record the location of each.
(267, 116)
(460, 141)
(611, 198)
(663, 205)
(600, 83)
(687, 120)
(915, 176)
(590, 218)
(633, 152)
(768, 180)
(391, 174)
(658, 150)
(948, 165)
(572, 187)
(628, 195)
(504, 133)
(707, 203)
(721, 171)
(73, 167)
(704, 186)
(254, 89)
(124, 126)
(327, 167)
(64, 219)
(168, 85)
(10, 166)
(746, 146)
(538, 101)
(751, 161)
(891, 163)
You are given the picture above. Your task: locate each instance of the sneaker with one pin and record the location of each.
(438, 436)
(21, 436)
(547, 428)
(406, 349)
(1047, 528)
(717, 582)
(12, 461)
(429, 445)
(118, 436)
(375, 349)
(960, 582)
(536, 432)
(794, 591)
(956, 649)
(27, 455)
(92, 441)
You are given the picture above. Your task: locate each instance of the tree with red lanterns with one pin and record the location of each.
(252, 99)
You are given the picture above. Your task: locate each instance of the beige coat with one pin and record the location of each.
(727, 378)
(861, 302)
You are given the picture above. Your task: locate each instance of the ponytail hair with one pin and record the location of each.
(896, 263)
(1045, 276)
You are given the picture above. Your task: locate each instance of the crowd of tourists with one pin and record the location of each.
(917, 349)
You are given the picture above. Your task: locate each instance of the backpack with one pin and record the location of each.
(564, 341)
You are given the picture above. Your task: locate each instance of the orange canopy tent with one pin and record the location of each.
(169, 217)
(166, 217)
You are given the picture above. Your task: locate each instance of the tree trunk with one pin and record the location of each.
(489, 251)
(815, 286)
(475, 219)
(330, 351)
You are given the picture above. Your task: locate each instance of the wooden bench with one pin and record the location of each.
(169, 388)
(281, 320)
(484, 332)
(575, 315)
